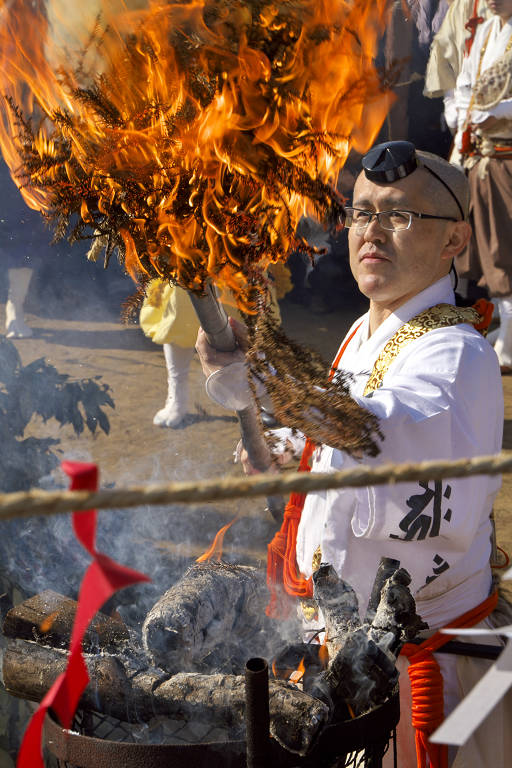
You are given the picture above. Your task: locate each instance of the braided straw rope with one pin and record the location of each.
(37, 502)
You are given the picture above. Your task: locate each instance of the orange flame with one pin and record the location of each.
(179, 160)
(298, 674)
(47, 623)
(323, 655)
(215, 551)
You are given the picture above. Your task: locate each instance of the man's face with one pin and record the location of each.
(392, 267)
(501, 8)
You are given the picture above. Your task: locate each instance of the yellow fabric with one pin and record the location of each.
(168, 317)
(282, 278)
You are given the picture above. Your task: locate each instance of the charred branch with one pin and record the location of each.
(119, 688)
(396, 621)
(338, 603)
(48, 619)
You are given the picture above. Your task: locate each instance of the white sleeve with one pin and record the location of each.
(285, 436)
(450, 111)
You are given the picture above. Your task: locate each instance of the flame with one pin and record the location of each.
(323, 655)
(47, 623)
(298, 674)
(194, 135)
(215, 551)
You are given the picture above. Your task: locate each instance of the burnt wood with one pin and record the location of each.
(211, 614)
(338, 603)
(396, 621)
(48, 618)
(118, 687)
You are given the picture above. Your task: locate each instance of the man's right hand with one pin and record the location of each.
(211, 359)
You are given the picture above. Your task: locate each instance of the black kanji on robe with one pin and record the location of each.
(424, 518)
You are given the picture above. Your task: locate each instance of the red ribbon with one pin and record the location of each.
(102, 579)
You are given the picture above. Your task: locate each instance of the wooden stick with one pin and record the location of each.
(38, 502)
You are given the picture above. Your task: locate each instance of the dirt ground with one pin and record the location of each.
(136, 452)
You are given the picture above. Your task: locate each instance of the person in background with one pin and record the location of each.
(483, 102)
(451, 43)
(23, 239)
(168, 318)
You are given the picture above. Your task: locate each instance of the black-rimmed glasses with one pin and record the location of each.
(395, 221)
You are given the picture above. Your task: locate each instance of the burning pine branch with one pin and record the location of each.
(201, 137)
(211, 128)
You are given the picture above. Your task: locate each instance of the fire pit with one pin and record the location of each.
(172, 692)
(360, 742)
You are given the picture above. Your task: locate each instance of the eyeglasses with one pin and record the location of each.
(395, 221)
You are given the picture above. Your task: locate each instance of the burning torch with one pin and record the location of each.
(194, 149)
(214, 322)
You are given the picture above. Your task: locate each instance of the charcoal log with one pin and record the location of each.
(296, 718)
(120, 688)
(117, 687)
(387, 567)
(338, 603)
(48, 618)
(360, 677)
(213, 606)
(396, 621)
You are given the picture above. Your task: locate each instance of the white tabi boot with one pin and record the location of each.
(15, 326)
(177, 360)
(503, 343)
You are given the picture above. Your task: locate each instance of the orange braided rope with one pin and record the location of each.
(282, 569)
(471, 26)
(427, 685)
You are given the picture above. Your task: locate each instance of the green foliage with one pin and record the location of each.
(38, 389)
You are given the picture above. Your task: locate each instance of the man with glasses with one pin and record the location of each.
(433, 380)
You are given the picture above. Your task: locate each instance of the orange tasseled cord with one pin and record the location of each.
(427, 685)
(485, 309)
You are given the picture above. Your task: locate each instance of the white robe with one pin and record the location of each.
(499, 38)
(441, 399)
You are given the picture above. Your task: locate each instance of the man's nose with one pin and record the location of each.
(374, 231)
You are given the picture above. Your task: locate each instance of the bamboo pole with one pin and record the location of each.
(38, 502)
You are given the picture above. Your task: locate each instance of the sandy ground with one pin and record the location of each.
(136, 452)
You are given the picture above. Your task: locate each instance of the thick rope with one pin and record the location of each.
(38, 502)
(427, 684)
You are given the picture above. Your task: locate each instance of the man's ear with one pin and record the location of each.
(457, 237)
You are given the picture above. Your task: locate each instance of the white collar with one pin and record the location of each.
(440, 292)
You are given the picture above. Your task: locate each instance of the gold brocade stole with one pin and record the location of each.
(438, 316)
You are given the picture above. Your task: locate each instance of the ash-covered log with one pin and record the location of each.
(360, 677)
(207, 618)
(48, 618)
(387, 567)
(361, 673)
(396, 621)
(338, 603)
(121, 688)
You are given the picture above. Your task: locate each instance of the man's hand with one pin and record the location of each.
(211, 359)
(278, 459)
